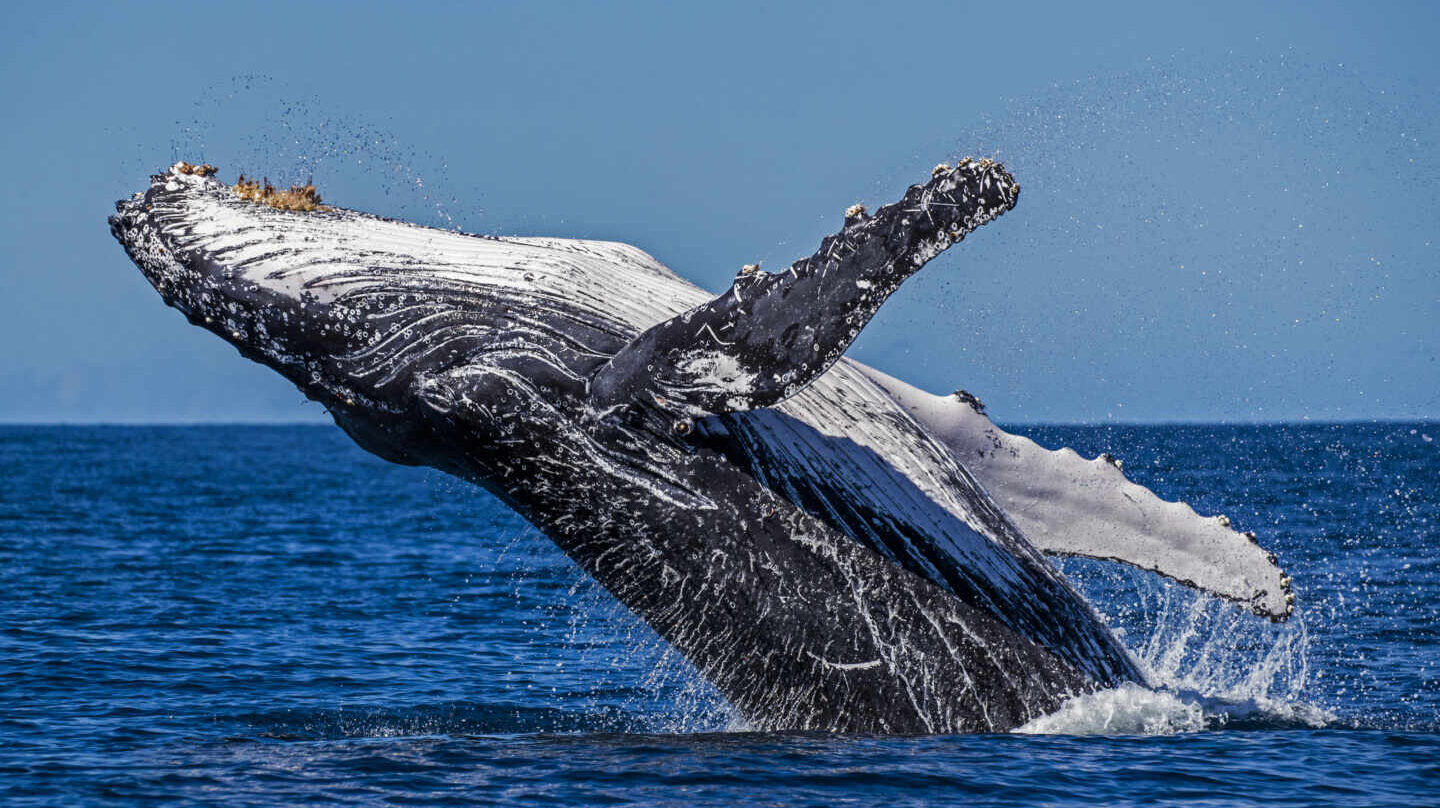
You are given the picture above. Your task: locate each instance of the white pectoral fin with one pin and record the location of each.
(1068, 505)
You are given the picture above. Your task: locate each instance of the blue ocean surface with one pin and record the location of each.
(250, 615)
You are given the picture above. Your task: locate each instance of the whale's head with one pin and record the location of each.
(364, 313)
(245, 261)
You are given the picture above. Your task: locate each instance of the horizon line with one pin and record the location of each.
(1379, 420)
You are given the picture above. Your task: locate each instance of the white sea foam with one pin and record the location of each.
(1126, 710)
(1210, 666)
(1133, 709)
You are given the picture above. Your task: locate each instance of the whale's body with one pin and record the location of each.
(810, 533)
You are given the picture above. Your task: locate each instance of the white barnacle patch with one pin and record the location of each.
(715, 372)
(928, 249)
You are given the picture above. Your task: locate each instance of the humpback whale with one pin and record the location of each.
(834, 549)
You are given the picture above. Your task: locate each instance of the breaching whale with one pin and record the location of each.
(834, 549)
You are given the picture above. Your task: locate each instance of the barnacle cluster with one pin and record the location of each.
(202, 170)
(296, 197)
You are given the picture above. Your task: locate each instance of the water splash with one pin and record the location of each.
(260, 125)
(625, 665)
(1126, 710)
(1204, 645)
(1210, 665)
(1133, 709)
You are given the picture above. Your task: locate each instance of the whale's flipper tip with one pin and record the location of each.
(772, 334)
(1068, 505)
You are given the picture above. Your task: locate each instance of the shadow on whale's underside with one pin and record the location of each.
(834, 549)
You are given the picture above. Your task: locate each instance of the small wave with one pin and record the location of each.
(1132, 709)
(450, 719)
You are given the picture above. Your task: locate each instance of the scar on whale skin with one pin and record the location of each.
(834, 549)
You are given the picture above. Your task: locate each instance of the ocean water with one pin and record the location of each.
(269, 616)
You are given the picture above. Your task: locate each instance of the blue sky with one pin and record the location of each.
(1230, 212)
